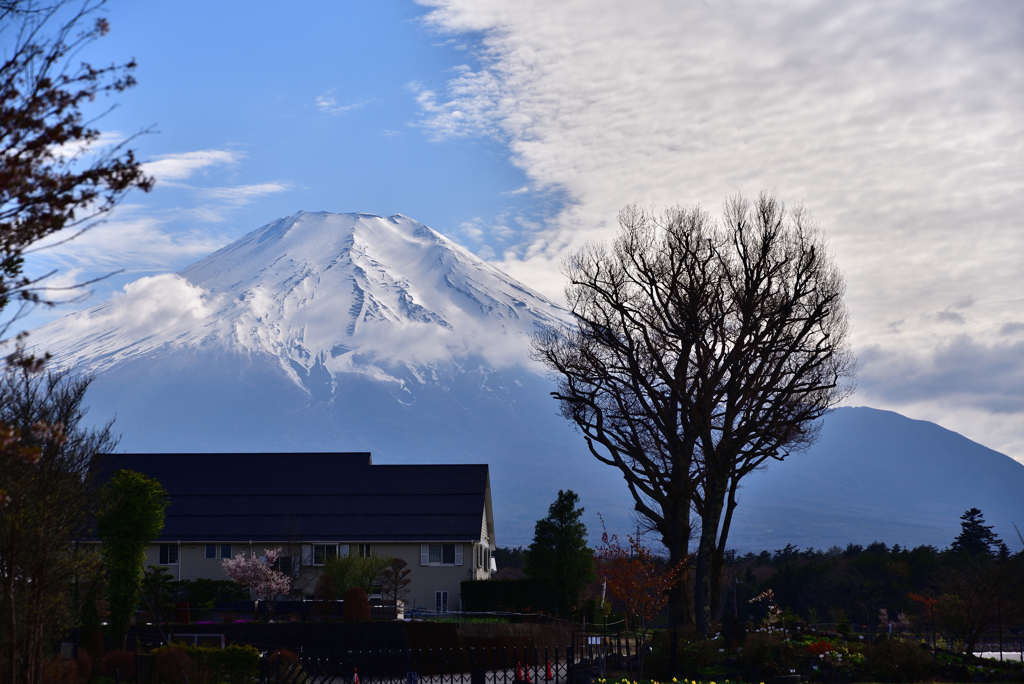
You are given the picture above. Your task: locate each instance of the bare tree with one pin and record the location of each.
(699, 351)
(395, 581)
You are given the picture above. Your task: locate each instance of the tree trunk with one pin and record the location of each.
(703, 591)
(676, 538)
(719, 558)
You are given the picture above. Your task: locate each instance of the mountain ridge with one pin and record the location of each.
(355, 332)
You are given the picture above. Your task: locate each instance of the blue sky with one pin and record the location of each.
(520, 128)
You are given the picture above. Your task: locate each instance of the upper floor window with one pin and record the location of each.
(441, 554)
(168, 554)
(286, 564)
(364, 550)
(211, 551)
(322, 552)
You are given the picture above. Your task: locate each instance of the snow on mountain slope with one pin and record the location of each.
(334, 293)
(340, 332)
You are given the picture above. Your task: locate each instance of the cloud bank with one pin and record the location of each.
(897, 124)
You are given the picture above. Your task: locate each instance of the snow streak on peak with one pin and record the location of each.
(325, 294)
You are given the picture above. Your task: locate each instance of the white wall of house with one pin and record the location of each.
(431, 574)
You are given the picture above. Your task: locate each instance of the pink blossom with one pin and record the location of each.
(258, 574)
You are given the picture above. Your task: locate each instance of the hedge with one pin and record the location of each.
(513, 596)
(235, 664)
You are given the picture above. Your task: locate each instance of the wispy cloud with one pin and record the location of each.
(172, 167)
(130, 239)
(895, 123)
(244, 193)
(327, 103)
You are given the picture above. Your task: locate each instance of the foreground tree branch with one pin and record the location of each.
(54, 176)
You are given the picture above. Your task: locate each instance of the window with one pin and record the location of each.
(321, 552)
(441, 554)
(211, 551)
(440, 601)
(225, 550)
(364, 550)
(168, 554)
(286, 564)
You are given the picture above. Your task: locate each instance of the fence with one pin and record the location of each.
(477, 665)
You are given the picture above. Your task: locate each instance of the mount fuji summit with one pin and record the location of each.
(353, 332)
(339, 332)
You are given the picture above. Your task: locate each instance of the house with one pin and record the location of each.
(316, 505)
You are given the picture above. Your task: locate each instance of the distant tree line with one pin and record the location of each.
(955, 595)
(958, 593)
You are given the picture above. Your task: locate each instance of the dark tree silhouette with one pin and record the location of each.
(559, 556)
(699, 352)
(976, 538)
(46, 507)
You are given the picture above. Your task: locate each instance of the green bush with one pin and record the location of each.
(234, 664)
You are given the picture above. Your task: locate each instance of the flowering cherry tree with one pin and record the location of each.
(259, 574)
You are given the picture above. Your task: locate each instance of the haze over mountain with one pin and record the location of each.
(353, 332)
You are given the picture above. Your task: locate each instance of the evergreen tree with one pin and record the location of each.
(130, 517)
(975, 538)
(559, 556)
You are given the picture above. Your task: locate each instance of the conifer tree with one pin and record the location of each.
(131, 516)
(559, 556)
(975, 538)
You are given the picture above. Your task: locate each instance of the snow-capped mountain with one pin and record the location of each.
(352, 332)
(325, 294)
(338, 332)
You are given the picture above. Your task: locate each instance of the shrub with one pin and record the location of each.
(900, 661)
(170, 662)
(119, 660)
(83, 664)
(234, 664)
(59, 671)
(357, 606)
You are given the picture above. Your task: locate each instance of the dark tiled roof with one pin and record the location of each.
(311, 497)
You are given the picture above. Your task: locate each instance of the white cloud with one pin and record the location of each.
(148, 313)
(171, 167)
(75, 148)
(897, 124)
(139, 243)
(152, 305)
(241, 194)
(327, 103)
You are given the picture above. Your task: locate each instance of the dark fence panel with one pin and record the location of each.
(519, 595)
(474, 665)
